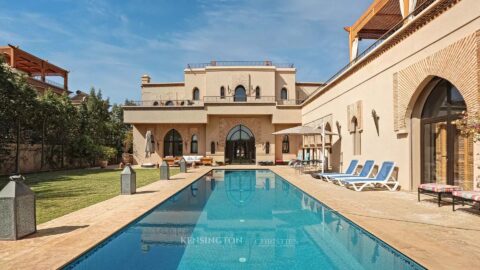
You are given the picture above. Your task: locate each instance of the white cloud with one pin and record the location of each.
(101, 44)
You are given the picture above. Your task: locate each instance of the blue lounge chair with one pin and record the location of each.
(383, 178)
(350, 171)
(364, 173)
(294, 162)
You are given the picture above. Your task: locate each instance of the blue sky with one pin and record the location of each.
(110, 44)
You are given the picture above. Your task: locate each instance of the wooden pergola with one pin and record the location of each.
(381, 16)
(33, 65)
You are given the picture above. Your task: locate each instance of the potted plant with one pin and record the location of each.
(106, 154)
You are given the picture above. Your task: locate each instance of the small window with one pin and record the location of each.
(267, 148)
(284, 94)
(357, 138)
(257, 92)
(194, 145)
(155, 103)
(240, 94)
(212, 148)
(285, 145)
(222, 92)
(196, 94)
(169, 103)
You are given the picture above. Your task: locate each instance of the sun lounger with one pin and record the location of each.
(383, 178)
(350, 171)
(364, 173)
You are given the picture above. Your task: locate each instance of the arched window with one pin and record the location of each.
(442, 142)
(194, 145)
(172, 144)
(196, 94)
(284, 94)
(222, 92)
(357, 138)
(267, 148)
(169, 103)
(212, 148)
(285, 145)
(240, 94)
(257, 92)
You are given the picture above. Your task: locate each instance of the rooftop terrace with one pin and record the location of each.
(265, 63)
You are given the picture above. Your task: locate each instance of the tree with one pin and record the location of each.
(18, 105)
(58, 118)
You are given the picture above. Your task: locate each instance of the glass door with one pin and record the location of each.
(446, 154)
(435, 152)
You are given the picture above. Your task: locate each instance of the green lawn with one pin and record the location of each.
(59, 193)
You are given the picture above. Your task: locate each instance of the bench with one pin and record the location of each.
(438, 189)
(472, 196)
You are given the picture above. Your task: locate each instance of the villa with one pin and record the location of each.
(395, 101)
(226, 110)
(389, 121)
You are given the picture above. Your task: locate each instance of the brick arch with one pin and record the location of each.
(457, 63)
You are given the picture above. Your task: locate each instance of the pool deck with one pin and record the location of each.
(435, 237)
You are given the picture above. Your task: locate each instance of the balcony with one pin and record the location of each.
(47, 84)
(166, 103)
(239, 100)
(218, 100)
(240, 64)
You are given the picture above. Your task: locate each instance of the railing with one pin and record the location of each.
(166, 103)
(214, 99)
(233, 99)
(290, 101)
(380, 41)
(56, 84)
(241, 64)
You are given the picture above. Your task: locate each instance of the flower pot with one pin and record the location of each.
(103, 163)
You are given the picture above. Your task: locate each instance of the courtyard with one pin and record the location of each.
(434, 236)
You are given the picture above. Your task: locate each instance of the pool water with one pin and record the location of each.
(251, 219)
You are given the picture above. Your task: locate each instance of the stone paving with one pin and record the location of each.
(59, 241)
(435, 237)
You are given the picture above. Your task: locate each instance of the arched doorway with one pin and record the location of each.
(240, 94)
(445, 155)
(240, 146)
(172, 144)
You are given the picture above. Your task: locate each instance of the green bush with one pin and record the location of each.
(107, 153)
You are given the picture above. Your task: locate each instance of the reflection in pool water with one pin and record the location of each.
(242, 220)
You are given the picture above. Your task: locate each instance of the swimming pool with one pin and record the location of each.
(248, 219)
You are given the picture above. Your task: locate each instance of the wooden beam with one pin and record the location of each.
(371, 12)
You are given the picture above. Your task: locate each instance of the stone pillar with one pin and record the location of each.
(128, 181)
(17, 210)
(183, 165)
(164, 171)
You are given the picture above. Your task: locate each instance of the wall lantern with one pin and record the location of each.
(376, 118)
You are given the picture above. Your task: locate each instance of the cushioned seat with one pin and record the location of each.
(469, 195)
(434, 187)
(473, 196)
(438, 189)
